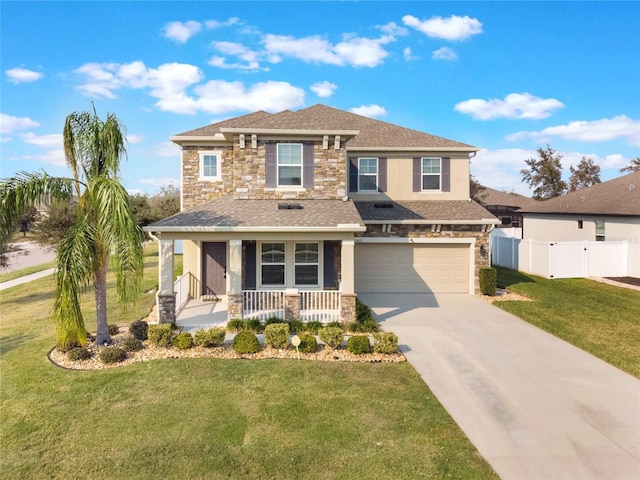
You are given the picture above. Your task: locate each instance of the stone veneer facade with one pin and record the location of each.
(243, 175)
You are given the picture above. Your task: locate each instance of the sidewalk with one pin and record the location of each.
(26, 278)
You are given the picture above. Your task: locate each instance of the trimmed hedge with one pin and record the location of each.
(132, 344)
(183, 341)
(332, 336)
(139, 330)
(385, 342)
(308, 343)
(213, 337)
(488, 280)
(160, 334)
(276, 335)
(246, 342)
(79, 353)
(112, 355)
(312, 327)
(359, 344)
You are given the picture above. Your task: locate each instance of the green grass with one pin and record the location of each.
(5, 277)
(601, 319)
(212, 418)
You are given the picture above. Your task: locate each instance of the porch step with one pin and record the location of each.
(210, 298)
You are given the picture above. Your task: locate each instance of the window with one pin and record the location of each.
(430, 174)
(599, 230)
(306, 264)
(209, 165)
(579, 224)
(367, 174)
(289, 165)
(272, 264)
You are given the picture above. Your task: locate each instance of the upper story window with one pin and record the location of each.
(599, 230)
(431, 173)
(367, 174)
(289, 165)
(209, 166)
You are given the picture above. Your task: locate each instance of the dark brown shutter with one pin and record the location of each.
(446, 174)
(382, 174)
(353, 174)
(307, 165)
(271, 165)
(330, 273)
(417, 174)
(249, 265)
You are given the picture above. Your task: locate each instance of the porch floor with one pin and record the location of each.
(197, 314)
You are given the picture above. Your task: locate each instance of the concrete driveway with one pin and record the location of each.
(534, 406)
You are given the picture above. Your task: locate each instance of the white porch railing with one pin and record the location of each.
(262, 304)
(320, 305)
(185, 288)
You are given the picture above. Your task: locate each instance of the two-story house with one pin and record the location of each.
(296, 207)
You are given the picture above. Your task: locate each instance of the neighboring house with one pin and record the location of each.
(607, 211)
(324, 201)
(504, 205)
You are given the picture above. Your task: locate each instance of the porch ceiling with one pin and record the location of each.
(229, 214)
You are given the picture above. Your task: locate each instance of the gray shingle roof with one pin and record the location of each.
(507, 199)
(426, 210)
(227, 212)
(373, 133)
(620, 196)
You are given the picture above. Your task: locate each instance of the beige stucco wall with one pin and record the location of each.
(400, 177)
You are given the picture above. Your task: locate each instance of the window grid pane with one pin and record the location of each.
(210, 165)
(430, 174)
(289, 164)
(368, 174)
(273, 261)
(306, 264)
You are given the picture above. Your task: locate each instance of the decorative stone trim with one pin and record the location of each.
(291, 306)
(348, 307)
(166, 307)
(234, 306)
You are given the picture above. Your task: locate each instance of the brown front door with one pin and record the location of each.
(214, 268)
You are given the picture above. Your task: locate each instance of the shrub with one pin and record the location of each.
(362, 311)
(312, 327)
(139, 330)
(308, 343)
(132, 344)
(276, 335)
(113, 329)
(488, 280)
(336, 325)
(235, 325)
(112, 355)
(359, 344)
(246, 342)
(273, 319)
(295, 326)
(368, 325)
(253, 325)
(79, 353)
(210, 338)
(332, 336)
(160, 334)
(385, 342)
(183, 341)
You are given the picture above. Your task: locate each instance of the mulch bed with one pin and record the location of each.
(628, 280)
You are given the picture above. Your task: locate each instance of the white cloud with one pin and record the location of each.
(50, 157)
(452, 28)
(181, 32)
(372, 110)
(324, 89)
(392, 28)
(444, 53)
(500, 169)
(362, 52)
(595, 131)
(46, 141)
(408, 54)
(514, 105)
(166, 149)
(22, 75)
(9, 123)
(249, 56)
(221, 62)
(212, 24)
(132, 138)
(160, 182)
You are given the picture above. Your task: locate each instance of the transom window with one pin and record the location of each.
(368, 174)
(272, 263)
(306, 264)
(209, 165)
(289, 165)
(430, 174)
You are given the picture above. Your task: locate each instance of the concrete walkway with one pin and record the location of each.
(534, 406)
(26, 278)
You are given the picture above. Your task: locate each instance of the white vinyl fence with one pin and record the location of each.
(561, 259)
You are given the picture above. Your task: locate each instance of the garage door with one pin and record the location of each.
(394, 268)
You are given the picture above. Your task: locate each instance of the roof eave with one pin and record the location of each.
(291, 131)
(468, 149)
(261, 229)
(435, 221)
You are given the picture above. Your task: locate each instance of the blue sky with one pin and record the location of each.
(508, 77)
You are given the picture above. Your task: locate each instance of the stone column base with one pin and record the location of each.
(348, 307)
(234, 306)
(291, 306)
(166, 308)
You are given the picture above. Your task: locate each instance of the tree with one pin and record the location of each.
(544, 174)
(586, 173)
(634, 166)
(165, 203)
(27, 218)
(54, 226)
(104, 229)
(476, 191)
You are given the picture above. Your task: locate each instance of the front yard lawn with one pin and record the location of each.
(212, 418)
(601, 319)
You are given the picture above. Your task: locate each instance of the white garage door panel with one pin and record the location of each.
(393, 268)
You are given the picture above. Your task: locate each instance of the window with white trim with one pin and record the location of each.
(367, 174)
(209, 165)
(431, 170)
(599, 230)
(306, 264)
(289, 165)
(272, 264)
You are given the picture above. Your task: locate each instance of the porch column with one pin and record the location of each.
(234, 272)
(347, 273)
(166, 296)
(291, 304)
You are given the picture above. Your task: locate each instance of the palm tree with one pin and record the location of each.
(105, 230)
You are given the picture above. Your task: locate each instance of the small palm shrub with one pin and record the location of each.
(253, 325)
(362, 311)
(332, 336)
(385, 342)
(368, 325)
(79, 353)
(273, 319)
(183, 341)
(160, 334)
(112, 355)
(235, 325)
(132, 344)
(276, 335)
(335, 325)
(139, 329)
(246, 342)
(308, 343)
(359, 344)
(295, 326)
(488, 280)
(113, 329)
(213, 337)
(313, 327)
